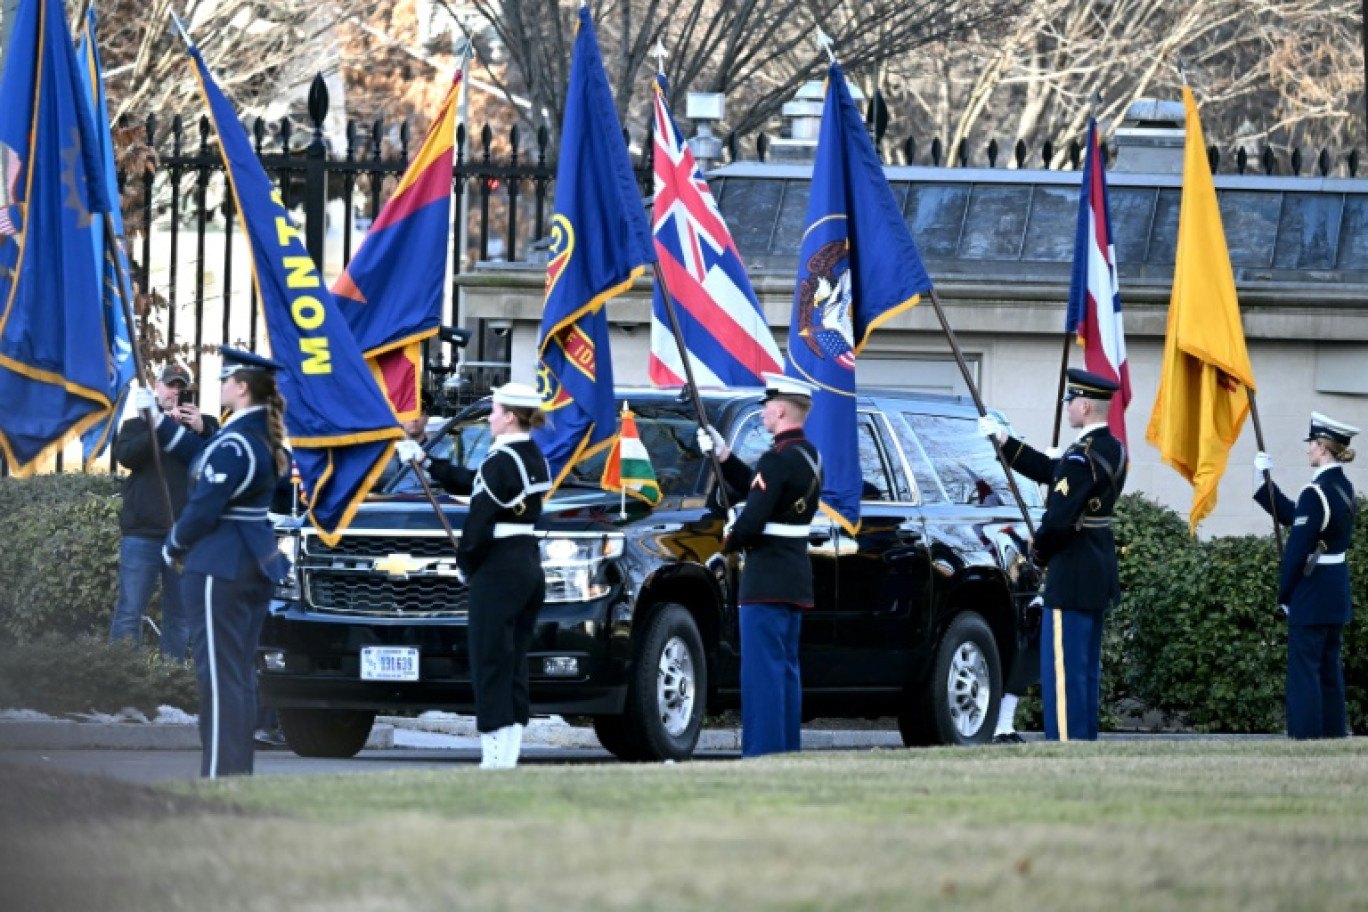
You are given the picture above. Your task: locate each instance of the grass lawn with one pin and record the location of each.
(1164, 825)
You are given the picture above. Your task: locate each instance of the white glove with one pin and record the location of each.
(710, 440)
(1262, 462)
(731, 521)
(990, 426)
(145, 400)
(1053, 453)
(169, 559)
(409, 450)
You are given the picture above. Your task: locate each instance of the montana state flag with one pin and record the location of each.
(858, 267)
(54, 382)
(340, 425)
(391, 291)
(600, 242)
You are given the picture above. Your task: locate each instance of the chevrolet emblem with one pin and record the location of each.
(400, 566)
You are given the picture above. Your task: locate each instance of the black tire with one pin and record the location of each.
(958, 703)
(336, 733)
(667, 693)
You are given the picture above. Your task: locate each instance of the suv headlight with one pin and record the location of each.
(288, 544)
(573, 566)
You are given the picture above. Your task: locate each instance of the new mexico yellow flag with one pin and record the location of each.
(1206, 379)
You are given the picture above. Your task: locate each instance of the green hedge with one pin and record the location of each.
(57, 674)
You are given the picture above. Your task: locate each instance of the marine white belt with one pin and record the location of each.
(1330, 559)
(509, 530)
(788, 530)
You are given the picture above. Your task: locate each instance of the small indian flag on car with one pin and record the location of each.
(628, 469)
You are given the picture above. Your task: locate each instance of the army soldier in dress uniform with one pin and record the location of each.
(501, 560)
(776, 581)
(1313, 585)
(229, 553)
(1076, 547)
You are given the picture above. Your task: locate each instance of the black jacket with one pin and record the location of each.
(1075, 542)
(782, 489)
(143, 513)
(507, 489)
(1322, 519)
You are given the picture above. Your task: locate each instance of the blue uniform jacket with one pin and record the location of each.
(1323, 513)
(223, 531)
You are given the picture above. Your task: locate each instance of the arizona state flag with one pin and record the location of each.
(340, 425)
(54, 384)
(391, 291)
(858, 267)
(1206, 377)
(600, 242)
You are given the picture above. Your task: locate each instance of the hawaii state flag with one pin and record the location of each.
(724, 328)
(1094, 314)
(628, 468)
(600, 242)
(111, 259)
(54, 363)
(858, 267)
(391, 291)
(1206, 377)
(341, 428)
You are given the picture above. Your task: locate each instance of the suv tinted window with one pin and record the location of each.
(668, 433)
(875, 469)
(967, 466)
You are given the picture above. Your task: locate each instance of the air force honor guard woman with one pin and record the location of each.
(501, 559)
(1076, 546)
(229, 551)
(1313, 585)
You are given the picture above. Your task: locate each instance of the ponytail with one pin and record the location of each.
(261, 386)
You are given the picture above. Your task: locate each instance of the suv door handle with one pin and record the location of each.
(910, 535)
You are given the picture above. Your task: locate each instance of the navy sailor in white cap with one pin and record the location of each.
(781, 496)
(501, 561)
(1313, 585)
(228, 549)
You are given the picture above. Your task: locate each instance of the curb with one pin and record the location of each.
(64, 734)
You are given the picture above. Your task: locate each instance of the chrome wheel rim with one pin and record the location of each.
(968, 688)
(676, 687)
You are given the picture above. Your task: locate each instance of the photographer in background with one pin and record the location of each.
(143, 522)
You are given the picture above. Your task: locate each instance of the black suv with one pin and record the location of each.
(923, 616)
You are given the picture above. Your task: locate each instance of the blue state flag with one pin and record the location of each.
(858, 267)
(54, 385)
(111, 259)
(600, 242)
(340, 425)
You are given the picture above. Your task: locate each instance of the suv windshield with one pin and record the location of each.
(667, 431)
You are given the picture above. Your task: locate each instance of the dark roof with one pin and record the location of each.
(1006, 224)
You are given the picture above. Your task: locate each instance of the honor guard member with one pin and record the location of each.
(1076, 547)
(500, 560)
(228, 550)
(1313, 585)
(781, 495)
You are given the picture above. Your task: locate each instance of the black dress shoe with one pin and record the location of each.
(1008, 738)
(271, 739)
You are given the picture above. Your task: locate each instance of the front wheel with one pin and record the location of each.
(334, 733)
(666, 695)
(958, 704)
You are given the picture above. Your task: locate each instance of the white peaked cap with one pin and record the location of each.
(784, 385)
(517, 395)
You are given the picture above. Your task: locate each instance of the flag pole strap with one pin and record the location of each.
(978, 402)
(139, 365)
(1063, 379)
(1268, 476)
(689, 379)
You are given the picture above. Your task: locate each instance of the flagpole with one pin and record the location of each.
(418, 473)
(978, 402)
(1059, 396)
(689, 380)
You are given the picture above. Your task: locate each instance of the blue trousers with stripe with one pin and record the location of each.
(771, 683)
(1315, 682)
(1071, 673)
(225, 623)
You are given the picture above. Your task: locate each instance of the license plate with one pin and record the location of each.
(389, 663)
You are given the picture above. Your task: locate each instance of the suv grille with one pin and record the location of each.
(415, 577)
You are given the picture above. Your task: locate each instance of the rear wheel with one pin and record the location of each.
(959, 702)
(666, 694)
(337, 733)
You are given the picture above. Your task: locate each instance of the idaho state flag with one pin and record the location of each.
(54, 382)
(1206, 378)
(111, 260)
(391, 291)
(858, 267)
(600, 242)
(340, 426)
